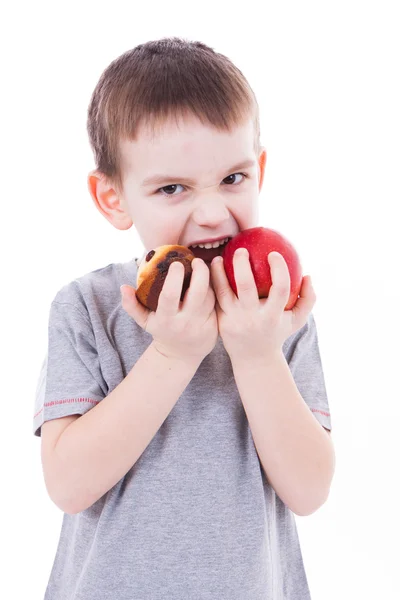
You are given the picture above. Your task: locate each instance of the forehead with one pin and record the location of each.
(187, 146)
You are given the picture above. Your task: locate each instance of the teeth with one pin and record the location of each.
(211, 245)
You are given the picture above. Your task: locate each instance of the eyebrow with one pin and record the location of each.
(166, 179)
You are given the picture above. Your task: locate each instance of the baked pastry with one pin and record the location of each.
(154, 268)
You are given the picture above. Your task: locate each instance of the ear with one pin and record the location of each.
(262, 159)
(107, 201)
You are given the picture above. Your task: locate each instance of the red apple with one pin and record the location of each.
(259, 242)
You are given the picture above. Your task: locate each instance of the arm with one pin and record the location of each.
(96, 450)
(296, 453)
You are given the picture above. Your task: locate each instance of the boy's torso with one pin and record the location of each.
(195, 516)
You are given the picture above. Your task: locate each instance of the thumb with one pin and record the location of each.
(132, 306)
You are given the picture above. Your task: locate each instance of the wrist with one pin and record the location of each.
(256, 362)
(174, 358)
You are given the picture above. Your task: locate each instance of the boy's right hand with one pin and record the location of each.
(186, 330)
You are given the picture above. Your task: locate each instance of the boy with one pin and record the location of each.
(179, 443)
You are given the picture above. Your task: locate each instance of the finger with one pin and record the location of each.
(222, 289)
(305, 303)
(133, 307)
(210, 302)
(199, 284)
(245, 283)
(280, 290)
(170, 296)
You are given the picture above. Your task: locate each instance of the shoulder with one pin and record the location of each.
(97, 290)
(306, 336)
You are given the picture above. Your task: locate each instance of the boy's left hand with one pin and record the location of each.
(252, 329)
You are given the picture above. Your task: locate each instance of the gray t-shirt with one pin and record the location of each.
(195, 517)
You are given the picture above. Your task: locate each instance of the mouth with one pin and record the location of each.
(207, 254)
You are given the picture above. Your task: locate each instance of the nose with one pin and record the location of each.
(210, 210)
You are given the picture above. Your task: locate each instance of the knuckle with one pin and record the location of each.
(272, 319)
(177, 326)
(126, 306)
(303, 321)
(167, 295)
(245, 287)
(223, 291)
(282, 291)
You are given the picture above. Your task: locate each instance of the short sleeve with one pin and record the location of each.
(70, 380)
(303, 356)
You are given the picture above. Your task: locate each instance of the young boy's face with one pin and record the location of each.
(202, 193)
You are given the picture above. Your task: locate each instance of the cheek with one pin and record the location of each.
(246, 213)
(163, 230)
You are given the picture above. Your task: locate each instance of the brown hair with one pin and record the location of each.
(164, 78)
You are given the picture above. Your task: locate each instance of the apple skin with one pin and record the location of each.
(259, 242)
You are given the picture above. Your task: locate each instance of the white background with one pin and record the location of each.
(326, 75)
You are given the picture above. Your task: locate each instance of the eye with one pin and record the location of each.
(234, 175)
(169, 190)
(169, 187)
